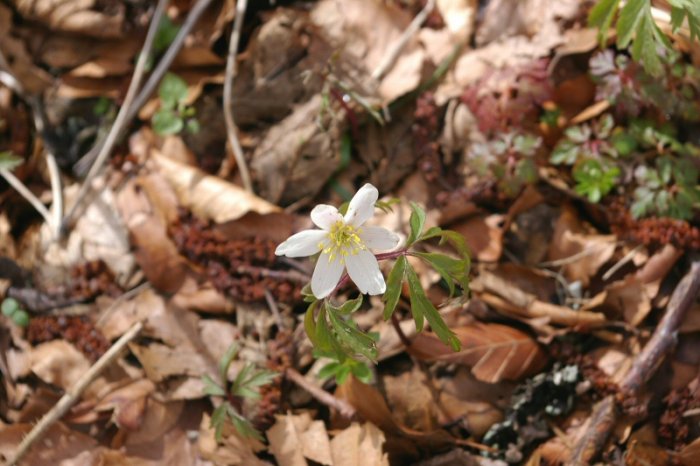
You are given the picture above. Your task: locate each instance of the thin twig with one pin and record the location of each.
(645, 364)
(231, 129)
(74, 393)
(122, 117)
(621, 263)
(274, 308)
(23, 191)
(155, 77)
(388, 60)
(53, 220)
(56, 194)
(342, 406)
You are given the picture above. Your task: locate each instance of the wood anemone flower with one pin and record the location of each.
(344, 244)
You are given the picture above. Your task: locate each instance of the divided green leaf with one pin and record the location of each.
(9, 161)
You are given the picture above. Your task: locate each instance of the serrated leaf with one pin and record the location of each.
(226, 360)
(456, 240)
(631, 15)
(352, 338)
(9, 161)
(421, 306)
(244, 427)
(393, 287)
(211, 387)
(450, 269)
(417, 222)
(601, 16)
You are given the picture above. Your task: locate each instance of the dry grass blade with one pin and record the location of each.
(494, 352)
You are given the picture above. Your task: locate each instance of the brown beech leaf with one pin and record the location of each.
(209, 196)
(403, 443)
(578, 249)
(495, 352)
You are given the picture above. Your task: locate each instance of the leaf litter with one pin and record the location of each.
(568, 172)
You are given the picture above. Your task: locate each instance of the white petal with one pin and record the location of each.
(361, 206)
(324, 216)
(364, 271)
(326, 275)
(305, 243)
(379, 238)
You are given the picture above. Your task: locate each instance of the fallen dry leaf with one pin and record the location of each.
(578, 250)
(75, 16)
(402, 442)
(359, 444)
(208, 196)
(494, 352)
(296, 157)
(366, 43)
(157, 256)
(296, 437)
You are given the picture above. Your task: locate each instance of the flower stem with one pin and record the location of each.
(397, 326)
(391, 255)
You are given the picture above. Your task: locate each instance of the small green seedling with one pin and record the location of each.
(245, 386)
(174, 114)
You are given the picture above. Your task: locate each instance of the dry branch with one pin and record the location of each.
(231, 129)
(123, 116)
(645, 364)
(74, 393)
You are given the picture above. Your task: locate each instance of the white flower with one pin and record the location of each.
(343, 243)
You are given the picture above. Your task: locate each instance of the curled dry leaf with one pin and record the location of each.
(141, 208)
(366, 43)
(494, 352)
(507, 298)
(296, 156)
(209, 196)
(403, 443)
(578, 250)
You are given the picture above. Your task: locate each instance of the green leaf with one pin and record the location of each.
(310, 323)
(165, 35)
(9, 161)
(211, 387)
(422, 307)
(218, 418)
(226, 360)
(172, 91)
(417, 221)
(455, 239)
(450, 269)
(20, 318)
(166, 122)
(352, 338)
(601, 16)
(349, 306)
(393, 286)
(9, 306)
(631, 15)
(244, 427)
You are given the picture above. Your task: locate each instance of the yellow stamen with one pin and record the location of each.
(344, 240)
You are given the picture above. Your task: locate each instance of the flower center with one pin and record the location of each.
(344, 239)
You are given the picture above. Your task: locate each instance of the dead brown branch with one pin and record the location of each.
(645, 364)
